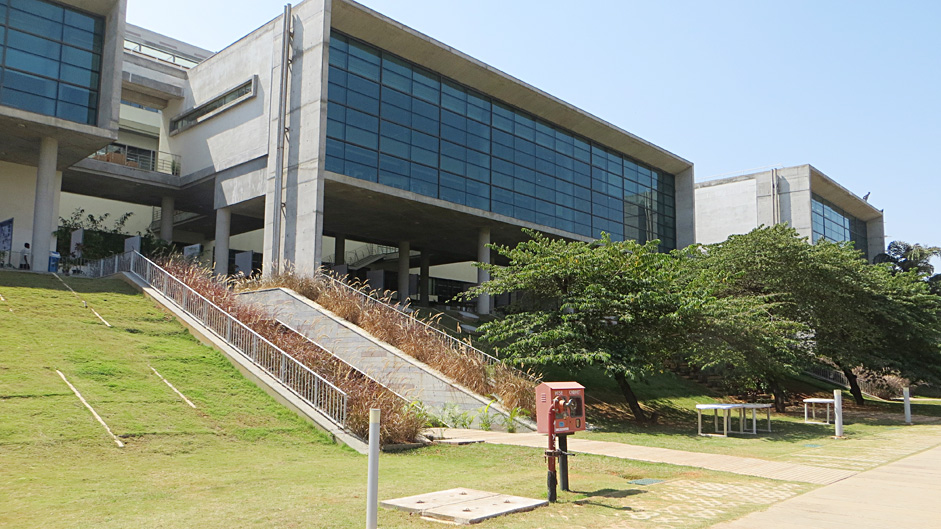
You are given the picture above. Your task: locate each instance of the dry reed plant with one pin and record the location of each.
(401, 423)
(354, 301)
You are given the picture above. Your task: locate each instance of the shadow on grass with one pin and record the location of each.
(607, 494)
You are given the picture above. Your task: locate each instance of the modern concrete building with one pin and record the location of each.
(810, 201)
(333, 131)
(60, 85)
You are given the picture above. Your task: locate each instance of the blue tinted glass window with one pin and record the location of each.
(50, 56)
(441, 139)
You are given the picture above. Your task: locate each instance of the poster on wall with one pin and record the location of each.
(6, 235)
(192, 251)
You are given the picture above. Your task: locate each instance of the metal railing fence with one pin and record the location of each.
(455, 344)
(296, 377)
(869, 387)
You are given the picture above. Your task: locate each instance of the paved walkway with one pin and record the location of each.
(738, 465)
(899, 494)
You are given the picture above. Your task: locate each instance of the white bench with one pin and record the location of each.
(813, 410)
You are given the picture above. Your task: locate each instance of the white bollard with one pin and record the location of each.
(372, 488)
(906, 395)
(838, 411)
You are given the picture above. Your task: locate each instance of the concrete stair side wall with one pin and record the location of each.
(388, 365)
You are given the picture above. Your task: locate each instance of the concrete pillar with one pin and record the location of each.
(404, 254)
(483, 256)
(44, 207)
(167, 208)
(424, 281)
(223, 224)
(339, 250)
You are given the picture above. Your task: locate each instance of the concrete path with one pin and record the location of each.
(899, 494)
(737, 465)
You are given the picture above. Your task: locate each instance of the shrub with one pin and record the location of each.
(354, 301)
(400, 422)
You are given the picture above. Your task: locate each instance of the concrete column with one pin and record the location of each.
(44, 207)
(223, 224)
(483, 256)
(339, 250)
(167, 207)
(404, 251)
(424, 280)
(685, 190)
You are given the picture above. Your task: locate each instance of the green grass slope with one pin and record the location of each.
(240, 459)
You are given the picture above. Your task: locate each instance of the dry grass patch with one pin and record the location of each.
(372, 310)
(400, 422)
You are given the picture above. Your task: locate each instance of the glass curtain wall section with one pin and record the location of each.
(833, 223)
(50, 59)
(393, 122)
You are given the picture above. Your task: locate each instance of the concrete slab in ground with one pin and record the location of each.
(463, 506)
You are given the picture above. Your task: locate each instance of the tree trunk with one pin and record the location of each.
(631, 399)
(777, 392)
(854, 386)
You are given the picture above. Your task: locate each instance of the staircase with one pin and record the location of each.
(388, 365)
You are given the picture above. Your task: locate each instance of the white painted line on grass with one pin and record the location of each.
(165, 381)
(84, 303)
(100, 318)
(92, 410)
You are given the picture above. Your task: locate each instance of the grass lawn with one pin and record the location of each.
(874, 433)
(240, 459)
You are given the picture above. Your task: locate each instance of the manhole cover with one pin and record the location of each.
(645, 481)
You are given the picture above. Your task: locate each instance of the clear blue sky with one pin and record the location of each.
(849, 86)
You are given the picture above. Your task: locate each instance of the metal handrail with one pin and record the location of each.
(146, 159)
(296, 377)
(461, 346)
(839, 378)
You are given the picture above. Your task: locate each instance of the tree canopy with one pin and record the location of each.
(626, 308)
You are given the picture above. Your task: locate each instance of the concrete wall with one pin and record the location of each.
(303, 180)
(783, 195)
(18, 183)
(240, 133)
(725, 209)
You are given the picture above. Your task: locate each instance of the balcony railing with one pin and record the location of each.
(161, 162)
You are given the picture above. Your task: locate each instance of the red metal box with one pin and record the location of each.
(570, 416)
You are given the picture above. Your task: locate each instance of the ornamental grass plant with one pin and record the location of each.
(401, 423)
(372, 310)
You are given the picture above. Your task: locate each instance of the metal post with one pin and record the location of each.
(564, 462)
(550, 456)
(275, 258)
(838, 411)
(372, 490)
(906, 395)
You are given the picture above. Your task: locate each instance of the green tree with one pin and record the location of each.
(620, 306)
(905, 257)
(854, 311)
(102, 239)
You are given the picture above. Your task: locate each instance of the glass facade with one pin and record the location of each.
(50, 59)
(393, 122)
(832, 223)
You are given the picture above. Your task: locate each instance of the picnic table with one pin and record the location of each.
(813, 410)
(727, 417)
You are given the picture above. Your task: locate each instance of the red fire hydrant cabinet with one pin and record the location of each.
(569, 399)
(560, 412)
